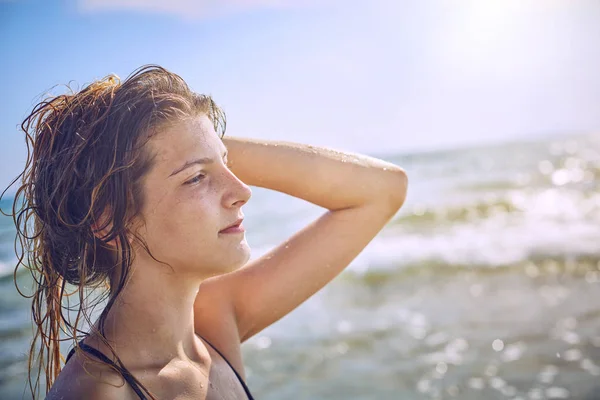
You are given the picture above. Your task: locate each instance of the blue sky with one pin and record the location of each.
(376, 76)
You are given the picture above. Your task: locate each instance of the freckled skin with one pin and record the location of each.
(183, 220)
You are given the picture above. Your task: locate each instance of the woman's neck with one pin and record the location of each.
(152, 320)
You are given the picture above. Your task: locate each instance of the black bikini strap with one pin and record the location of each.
(246, 389)
(123, 371)
(129, 378)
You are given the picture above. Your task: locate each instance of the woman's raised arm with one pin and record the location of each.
(361, 194)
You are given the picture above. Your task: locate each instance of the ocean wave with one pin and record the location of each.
(485, 235)
(538, 265)
(527, 203)
(461, 213)
(488, 244)
(482, 249)
(6, 270)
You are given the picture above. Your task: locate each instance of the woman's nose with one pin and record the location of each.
(238, 194)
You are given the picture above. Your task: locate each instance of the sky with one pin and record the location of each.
(377, 76)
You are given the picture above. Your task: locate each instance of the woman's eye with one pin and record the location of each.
(195, 179)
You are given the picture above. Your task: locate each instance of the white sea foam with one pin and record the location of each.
(6, 268)
(552, 224)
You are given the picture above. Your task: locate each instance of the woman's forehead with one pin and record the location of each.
(195, 136)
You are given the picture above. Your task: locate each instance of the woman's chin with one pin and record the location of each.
(231, 261)
(244, 256)
(237, 259)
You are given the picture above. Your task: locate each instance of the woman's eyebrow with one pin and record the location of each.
(204, 160)
(188, 164)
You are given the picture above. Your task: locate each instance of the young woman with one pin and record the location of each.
(131, 190)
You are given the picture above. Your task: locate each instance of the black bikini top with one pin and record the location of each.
(129, 378)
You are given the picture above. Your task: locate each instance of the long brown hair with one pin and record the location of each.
(86, 157)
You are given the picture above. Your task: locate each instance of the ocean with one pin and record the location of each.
(486, 285)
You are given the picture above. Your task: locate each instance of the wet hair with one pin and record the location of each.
(79, 195)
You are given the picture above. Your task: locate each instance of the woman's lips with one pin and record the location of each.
(238, 228)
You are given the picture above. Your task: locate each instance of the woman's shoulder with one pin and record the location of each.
(87, 378)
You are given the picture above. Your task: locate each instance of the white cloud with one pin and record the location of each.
(191, 9)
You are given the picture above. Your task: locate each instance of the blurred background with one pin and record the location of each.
(485, 285)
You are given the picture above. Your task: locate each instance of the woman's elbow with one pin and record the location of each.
(395, 188)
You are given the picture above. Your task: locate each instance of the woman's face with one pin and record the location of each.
(190, 197)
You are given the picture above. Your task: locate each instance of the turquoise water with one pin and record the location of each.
(484, 286)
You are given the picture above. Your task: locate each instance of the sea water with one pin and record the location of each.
(486, 285)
